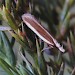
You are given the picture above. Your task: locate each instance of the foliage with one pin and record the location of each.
(57, 17)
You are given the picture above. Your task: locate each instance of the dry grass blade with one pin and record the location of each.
(73, 71)
(69, 45)
(61, 72)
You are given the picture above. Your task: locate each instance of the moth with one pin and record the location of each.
(40, 31)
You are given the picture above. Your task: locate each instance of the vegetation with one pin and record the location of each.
(32, 55)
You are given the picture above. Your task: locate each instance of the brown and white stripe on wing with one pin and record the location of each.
(35, 26)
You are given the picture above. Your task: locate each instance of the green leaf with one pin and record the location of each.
(28, 64)
(66, 8)
(72, 38)
(2, 51)
(72, 41)
(22, 43)
(5, 67)
(8, 4)
(23, 70)
(1, 14)
(8, 68)
(10, 19)
(8, 49)
(41, 61)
